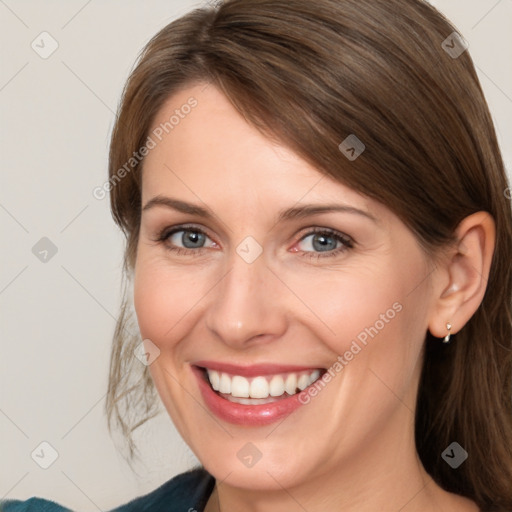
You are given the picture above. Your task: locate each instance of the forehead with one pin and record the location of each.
(206, 149)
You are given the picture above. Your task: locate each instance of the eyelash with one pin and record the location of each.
(347, 242)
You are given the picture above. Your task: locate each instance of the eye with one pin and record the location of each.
(184, 239)
(326, 241)
(318, 243)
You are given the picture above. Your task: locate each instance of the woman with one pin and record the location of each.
(319, 242)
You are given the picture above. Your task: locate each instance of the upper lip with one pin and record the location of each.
(253, 370)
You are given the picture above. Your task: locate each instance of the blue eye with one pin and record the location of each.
(192, 239)
(323, 242)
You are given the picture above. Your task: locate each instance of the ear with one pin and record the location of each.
(464, 273)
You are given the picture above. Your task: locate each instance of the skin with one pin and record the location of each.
(352, 447)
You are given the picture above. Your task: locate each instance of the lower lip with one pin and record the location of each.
(240, 414)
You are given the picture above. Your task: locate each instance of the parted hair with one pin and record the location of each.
(307, 74)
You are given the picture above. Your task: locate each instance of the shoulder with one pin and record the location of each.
(184, 492)
(187, 491)
(31, 505)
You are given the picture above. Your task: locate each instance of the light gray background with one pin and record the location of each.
(57, 318)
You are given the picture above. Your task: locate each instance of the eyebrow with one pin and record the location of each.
(296, 212)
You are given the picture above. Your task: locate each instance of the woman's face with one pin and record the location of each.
(268, 291)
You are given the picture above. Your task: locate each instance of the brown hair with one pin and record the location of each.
(308, 74)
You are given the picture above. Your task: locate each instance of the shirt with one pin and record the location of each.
(187, 492)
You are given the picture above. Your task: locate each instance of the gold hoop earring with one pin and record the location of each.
(447, 337)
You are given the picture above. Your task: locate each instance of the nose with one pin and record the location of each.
(247, 307)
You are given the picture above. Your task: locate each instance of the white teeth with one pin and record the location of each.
(240, 387)
(214, 379)
(225, 383)
(303, 382)
(261, 387)
(251, 401)
(277, 386)
(290, 385)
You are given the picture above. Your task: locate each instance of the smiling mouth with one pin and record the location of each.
(261, 389)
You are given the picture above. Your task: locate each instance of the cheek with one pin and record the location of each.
(351, 305)
(161, 298)
(375, 319)
(361, 305)
(169, 301)
(150, 304)
(380, 325)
